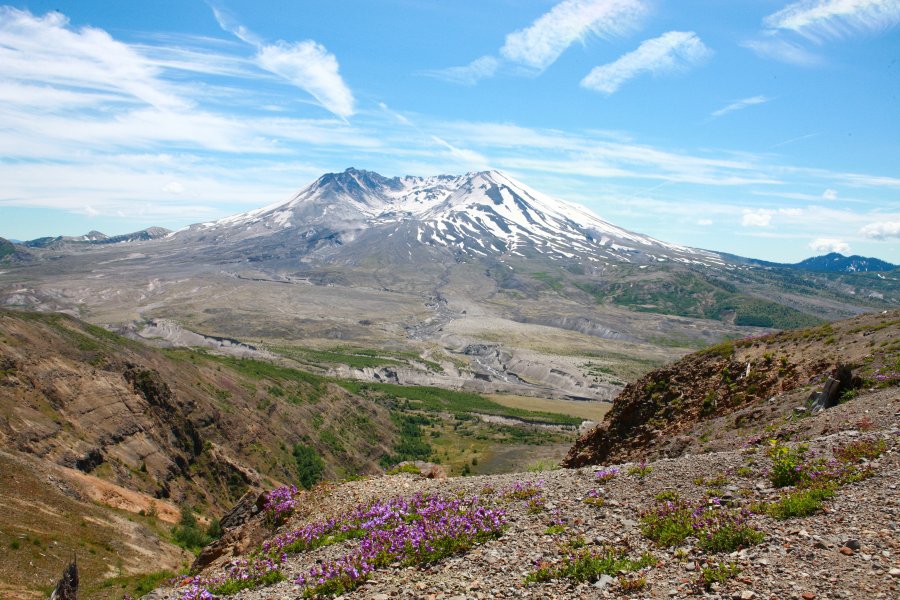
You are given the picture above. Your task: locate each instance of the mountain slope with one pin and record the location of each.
(720, 392)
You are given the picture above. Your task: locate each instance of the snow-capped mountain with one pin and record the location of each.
(478, 214)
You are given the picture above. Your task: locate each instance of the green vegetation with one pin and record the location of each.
(310, 466)
(137, 585)
(434, 399)
(411, 444)
(690, 294)
(405, 468)
(800, 503)
(188, 534)
(588, 566)
(718, 573)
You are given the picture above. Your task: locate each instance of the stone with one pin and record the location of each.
(846, 551)
(807, 595)
(603, 582)
(895, 572)
(852, 544)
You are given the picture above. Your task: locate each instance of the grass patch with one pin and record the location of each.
(588, 566)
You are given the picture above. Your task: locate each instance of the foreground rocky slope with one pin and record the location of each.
(849, 547)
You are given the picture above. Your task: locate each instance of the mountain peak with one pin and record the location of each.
(480, 213)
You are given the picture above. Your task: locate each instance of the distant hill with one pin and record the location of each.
(838, 263)
(833, 262)
(97, 237)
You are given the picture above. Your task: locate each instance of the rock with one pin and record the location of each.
(852, 544)
(603, 582)
(807, 596)
(846, 551)
(67, 588)
(895, 572)
(380, 597)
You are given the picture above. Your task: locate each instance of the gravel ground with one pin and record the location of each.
(852, 550)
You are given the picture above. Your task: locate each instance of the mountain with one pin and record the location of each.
(96, 237)
(838, 263)
(486, 214)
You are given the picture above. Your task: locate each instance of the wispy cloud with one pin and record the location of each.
(882, 230)
(307, 65)
(472, 73)
(82, 61)
(228, 22)
(539, 45)
(820, 20)
(536, 47)
(783, 51)
(827, 245)
(739, 105)
(671, 52)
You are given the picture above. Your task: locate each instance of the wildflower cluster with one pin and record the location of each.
(584, 565)
(240, 575)
(523, 490)
(716, 527)
(885, 377)
(420, 530)
(280, 504)
(817, 479)
(604, 475)
(640, 470)
(595, 498)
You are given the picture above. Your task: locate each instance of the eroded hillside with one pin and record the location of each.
(723, 394)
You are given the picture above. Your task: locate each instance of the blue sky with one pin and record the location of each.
(765, 128)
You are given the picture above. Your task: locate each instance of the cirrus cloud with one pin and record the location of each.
(671, 52)
(818, 20)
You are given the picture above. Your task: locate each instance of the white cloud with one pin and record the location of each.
(306, 64)
(819, 20)
(87, 60)
(173, 187)
(472, 73)
(228, 22)
(756, 218)
(882, 230)
(705, 222)
(830, 194)
(740, 104)
(539, 45)
(309, 66)
(827, 245)
(671, 52)
(783, 51)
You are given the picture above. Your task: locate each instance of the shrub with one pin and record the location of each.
(187, 533)
(405, 468)
(786, 463)
(718, 573)
(310, 466)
